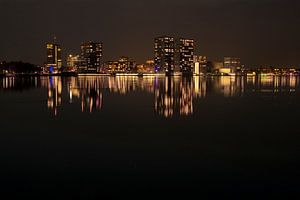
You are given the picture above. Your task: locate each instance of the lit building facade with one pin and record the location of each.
(164, 51)
(150, 66)
(174, 55)
(91, 54)
(184, 57)
(54, 58)
(73, 62)
(123, 65)
(214, 67)
(233, 63)
(200, 65)
(112, 66)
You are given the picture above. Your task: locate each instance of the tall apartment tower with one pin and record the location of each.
(184, 55)
(54, 58)
(173, 55)
(164, 50)
(91, 54)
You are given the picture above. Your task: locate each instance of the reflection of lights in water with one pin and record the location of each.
(292, 83)
(226, 86)
(91, 101)
(172, 95)
(54, 94)
(231, 86)
(267, 79)
(199, 86)
(186, 99)
(276, 84)
(196, 84)
(251, 80)
(71, 96)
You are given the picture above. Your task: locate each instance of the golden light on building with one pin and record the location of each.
(54, 58)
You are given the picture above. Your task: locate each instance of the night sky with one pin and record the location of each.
(259, 31)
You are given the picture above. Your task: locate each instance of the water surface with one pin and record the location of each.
(86, 137)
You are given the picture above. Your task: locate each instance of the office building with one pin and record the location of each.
(73, 62)
(184, 57)
(200, 65)
(54, 58)
(174, 55)
(164, 50)
(233, 63)
(123, 65)
(214, 67)
(126, 65)
(91, 54)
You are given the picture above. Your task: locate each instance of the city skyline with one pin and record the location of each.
(261, 33)
(150, 99)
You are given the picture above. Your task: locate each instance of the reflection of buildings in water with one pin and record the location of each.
(164, 97)
(229, 86)
(239, 85)
(275, 84)
(54, 86)
(91, 100)
(126, 84)
(19, 83)
(186, 97)
(122, 84)
(199, 86)
(174, 95)
(87, 90)
(7, 83)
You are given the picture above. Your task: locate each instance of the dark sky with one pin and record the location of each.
(258, 31)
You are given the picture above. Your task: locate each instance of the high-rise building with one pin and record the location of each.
(164, 50)
(54, 58)
(233, 63)
(174, 55)
(184, 57)
(91, 54)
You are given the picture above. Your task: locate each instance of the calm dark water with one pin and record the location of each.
(151, 137)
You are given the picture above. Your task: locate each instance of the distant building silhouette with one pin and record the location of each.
(233, 63)
(173, 55)
(91, 54)
(184, 55)
(164, 50)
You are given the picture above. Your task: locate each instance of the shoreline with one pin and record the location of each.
(143, 75)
